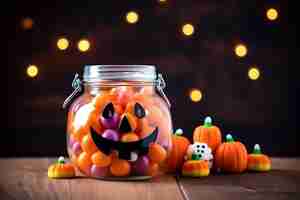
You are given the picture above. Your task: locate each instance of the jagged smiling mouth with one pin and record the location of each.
(124, 149)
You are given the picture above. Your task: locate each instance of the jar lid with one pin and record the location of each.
(119, 72)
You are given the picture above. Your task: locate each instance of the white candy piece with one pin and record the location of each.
(82, 116)
(133, 156)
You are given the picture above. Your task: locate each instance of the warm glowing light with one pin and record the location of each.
(83, 45)
(253, 73)
(62, 44)
(32, 71)
(272, 14)
(241, 50)
(195, 95)
(162, 1)
(27, 23)
(188, 29)
(132, 17)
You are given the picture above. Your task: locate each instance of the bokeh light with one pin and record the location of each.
(62, 43)
(188, 29)
(83, 45)
(253, 73)
(241, 50)
(162, 1)
(132, 17)
(272, 14)
(27, 23)
(32, 71)
(195, 95)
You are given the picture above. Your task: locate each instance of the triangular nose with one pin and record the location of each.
(125, 125)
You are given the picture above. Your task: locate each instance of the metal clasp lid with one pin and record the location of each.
(76, 84)
(160, 85)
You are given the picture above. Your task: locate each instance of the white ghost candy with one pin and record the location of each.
(202, 150)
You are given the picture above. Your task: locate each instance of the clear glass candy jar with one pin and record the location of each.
(120, 126)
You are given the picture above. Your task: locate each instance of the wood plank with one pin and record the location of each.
(283, 182)
(26, 178)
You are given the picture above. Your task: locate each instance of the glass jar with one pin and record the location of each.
(120, 127)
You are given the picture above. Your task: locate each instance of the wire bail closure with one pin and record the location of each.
(160, 84)
(76, 84)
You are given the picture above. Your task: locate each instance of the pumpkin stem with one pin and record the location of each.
(61, 160)
(178, 132)
(208, 121)
(256, 149)
(195, 157)
(229, 138)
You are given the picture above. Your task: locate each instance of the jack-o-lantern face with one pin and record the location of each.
(121, 133)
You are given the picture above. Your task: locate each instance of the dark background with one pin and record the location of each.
(262, 111)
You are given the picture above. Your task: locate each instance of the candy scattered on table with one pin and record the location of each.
(126, 131)
(60, 169)
(258, 161)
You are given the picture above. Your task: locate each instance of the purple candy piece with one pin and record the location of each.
(71, 141)
(111, 135)
(110, 123)
(141, 165)
(76, 148)
(99, 171)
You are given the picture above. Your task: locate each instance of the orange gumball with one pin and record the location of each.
(129, 137)
(95, 123)
(84, 162)
(157, 153)
(102, 99)
(88, 145)
(153, 169)
(101, 160)
(118, 109)
(79, 133)
(73, 158)
(120, 168)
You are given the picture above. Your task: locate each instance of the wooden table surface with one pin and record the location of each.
(26, 178)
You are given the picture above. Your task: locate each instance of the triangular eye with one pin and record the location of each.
(108, 111)
(139, 111)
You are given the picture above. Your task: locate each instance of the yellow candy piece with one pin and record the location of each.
(61, 169)
(195, 168)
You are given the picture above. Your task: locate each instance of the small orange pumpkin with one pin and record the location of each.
(179, 147)
(195, 168)
(61, 169)
(258, 161)
(209, 134)
(231, 156)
